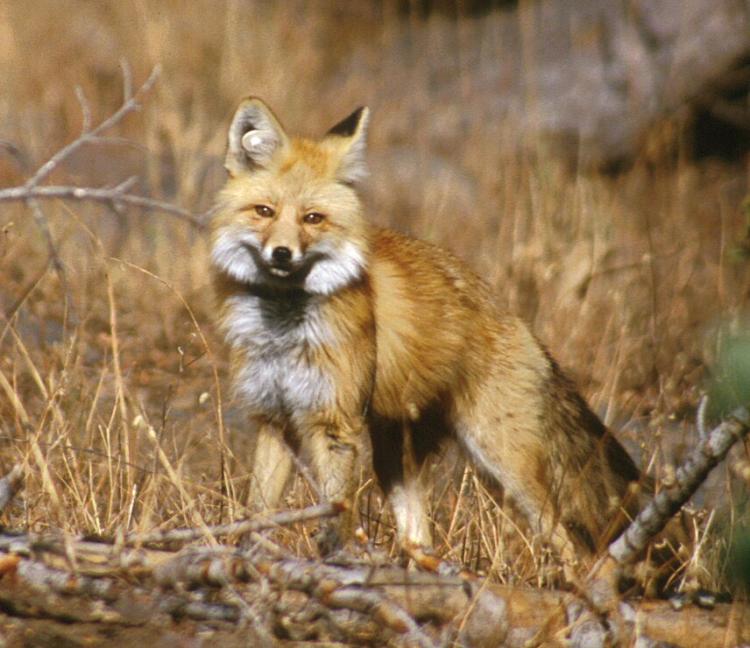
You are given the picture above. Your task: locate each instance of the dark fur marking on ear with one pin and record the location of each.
(246, 126)
(347, 127)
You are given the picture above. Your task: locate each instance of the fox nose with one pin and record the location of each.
(281, 254)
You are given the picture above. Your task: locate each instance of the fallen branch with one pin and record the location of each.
(349, 588)
(340, 602)
(201, 566)
(709, 452)
(601, 587)
(354, 601)
(491, 615)
(45, 578)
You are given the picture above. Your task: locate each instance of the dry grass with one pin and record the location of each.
(113, 389)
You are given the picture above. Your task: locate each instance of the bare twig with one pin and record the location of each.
(127, 80)
(130, 104)
(33, 191)
(601, 588)
(631, 544)
(42, 223)
(85, 110)
(238, 528)
(111, 196)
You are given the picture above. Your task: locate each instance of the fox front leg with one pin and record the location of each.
(272, 464)
(334, 448)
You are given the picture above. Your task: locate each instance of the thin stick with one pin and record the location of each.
(130, 104)
(240, 527)
(113, 196)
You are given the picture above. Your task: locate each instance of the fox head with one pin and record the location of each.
(289, 215)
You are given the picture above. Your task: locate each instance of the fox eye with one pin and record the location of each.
(264, 211)
(313, 218)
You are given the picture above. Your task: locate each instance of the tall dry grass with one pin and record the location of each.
(113, 386)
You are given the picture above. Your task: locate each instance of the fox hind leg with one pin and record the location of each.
(512, 453)
(399, 449)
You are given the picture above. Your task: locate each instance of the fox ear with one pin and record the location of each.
(349, 136)
(254, 137)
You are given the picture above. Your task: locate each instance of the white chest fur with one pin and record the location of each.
(276, 343)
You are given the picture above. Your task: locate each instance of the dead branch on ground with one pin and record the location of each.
(709, 452)
(630, 546)
(351, 603)
(125, 584)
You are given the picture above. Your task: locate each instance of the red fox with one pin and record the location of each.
(341, 330)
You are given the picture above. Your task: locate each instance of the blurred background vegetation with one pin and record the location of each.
(589, 160)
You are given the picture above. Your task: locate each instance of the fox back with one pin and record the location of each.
(345, 335)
